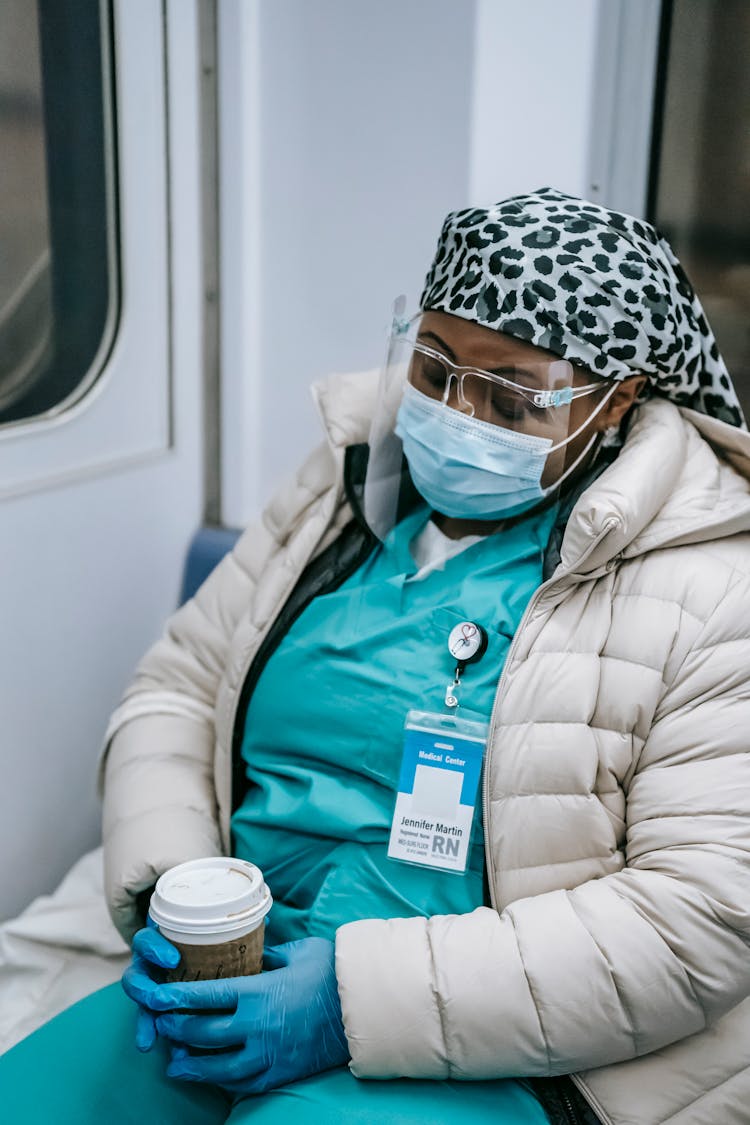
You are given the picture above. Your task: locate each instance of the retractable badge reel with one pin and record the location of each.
(440, 771)
(467, 644)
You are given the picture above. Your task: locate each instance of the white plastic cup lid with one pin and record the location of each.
(219, 895)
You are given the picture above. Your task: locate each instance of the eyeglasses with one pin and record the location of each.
(515, 394)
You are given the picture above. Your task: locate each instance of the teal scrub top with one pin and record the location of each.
(322, 747)
(324, 729)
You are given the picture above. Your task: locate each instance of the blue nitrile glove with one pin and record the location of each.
(151, 950)
(284, 1024)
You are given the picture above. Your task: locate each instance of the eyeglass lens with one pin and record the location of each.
(475, 394)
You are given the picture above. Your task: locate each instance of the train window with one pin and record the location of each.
(699, 192)
(58, 278)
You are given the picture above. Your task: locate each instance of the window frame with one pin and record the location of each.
(121, 412)
(623, 99)
(80, 160)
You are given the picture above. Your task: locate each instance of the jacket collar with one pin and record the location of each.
(671, 484)
(346, 405)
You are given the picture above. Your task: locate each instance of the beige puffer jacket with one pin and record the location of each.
(617, 789)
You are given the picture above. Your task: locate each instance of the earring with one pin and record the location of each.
(611, 437)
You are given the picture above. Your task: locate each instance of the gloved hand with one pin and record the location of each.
(284, 1024)
(151, 952)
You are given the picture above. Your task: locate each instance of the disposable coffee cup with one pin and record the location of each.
(214, 911)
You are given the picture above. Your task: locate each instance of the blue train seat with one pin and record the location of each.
(207, 548)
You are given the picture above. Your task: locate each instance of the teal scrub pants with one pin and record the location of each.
(83, 1068)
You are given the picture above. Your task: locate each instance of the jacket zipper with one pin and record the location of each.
(608, 526)
(252, 671)
(570, 1110)
(591, 1099)
(568, 1107)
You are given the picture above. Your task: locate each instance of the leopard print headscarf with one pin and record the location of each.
(596, 287)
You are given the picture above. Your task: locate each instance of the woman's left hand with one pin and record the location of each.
(151, 953)
(274, 1028)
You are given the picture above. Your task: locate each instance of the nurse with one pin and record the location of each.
(473, 698)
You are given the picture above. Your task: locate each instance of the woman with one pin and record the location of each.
(577, 494)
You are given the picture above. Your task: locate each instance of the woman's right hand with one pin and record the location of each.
(151, 951)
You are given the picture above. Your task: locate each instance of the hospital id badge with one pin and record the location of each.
(437, 790)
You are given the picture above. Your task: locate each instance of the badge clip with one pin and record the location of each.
(451, 698)
(467, 643)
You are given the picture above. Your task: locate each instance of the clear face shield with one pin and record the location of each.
(479, 440)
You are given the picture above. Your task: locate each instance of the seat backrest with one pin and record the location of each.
(207, 548)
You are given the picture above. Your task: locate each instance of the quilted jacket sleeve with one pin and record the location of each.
(158, 787)
(615, 968)
(157, 773)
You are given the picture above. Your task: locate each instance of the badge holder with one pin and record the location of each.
(440, 771)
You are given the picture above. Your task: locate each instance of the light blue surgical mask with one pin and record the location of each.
(469, 469)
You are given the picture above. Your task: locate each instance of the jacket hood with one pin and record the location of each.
(680, 478)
